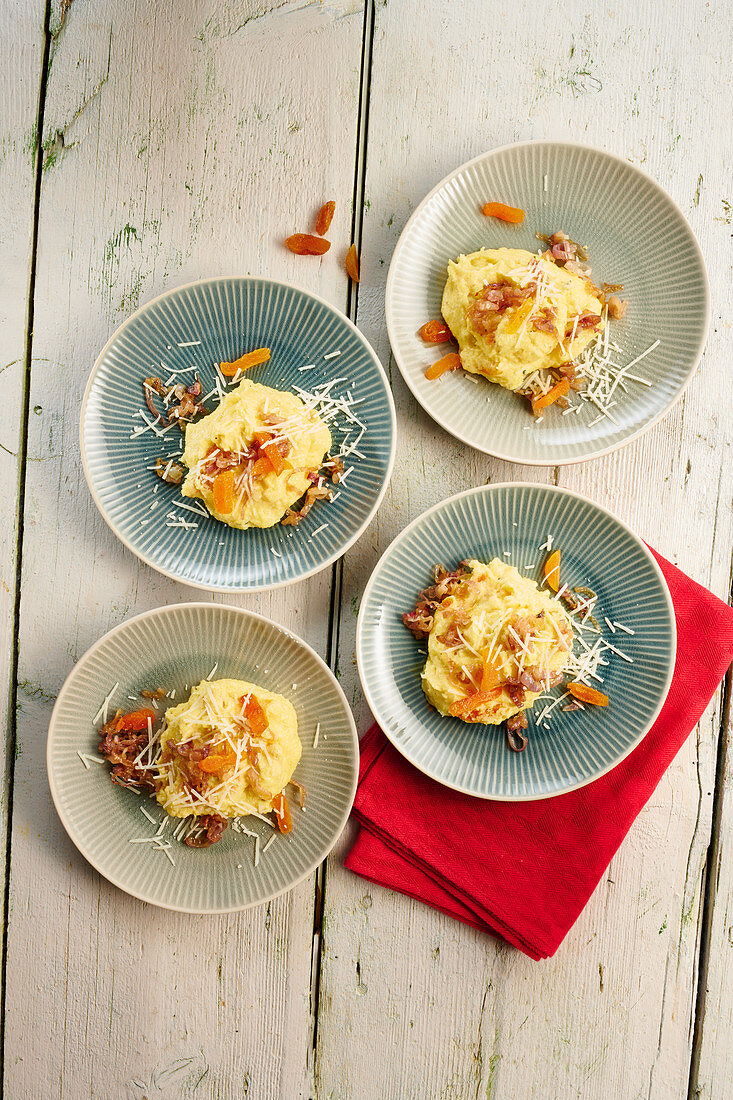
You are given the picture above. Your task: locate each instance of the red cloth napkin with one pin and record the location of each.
(525, 870)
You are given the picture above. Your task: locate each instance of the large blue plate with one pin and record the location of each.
(598, 551)
(229, 316)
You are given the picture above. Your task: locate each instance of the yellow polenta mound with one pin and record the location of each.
(506, 345)
(226, 439)
(497, 628)
(253, 765)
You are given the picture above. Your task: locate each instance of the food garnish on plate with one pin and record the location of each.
(497, 643)
(225, 753)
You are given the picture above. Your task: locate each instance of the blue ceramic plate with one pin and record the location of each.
(512, 522)
(176, 647)
(635, 235)
(196, 326)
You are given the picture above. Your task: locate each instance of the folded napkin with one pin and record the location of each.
(525, 870)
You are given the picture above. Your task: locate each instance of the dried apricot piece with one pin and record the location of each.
(435, 332)
(224, 492)
(216, 762)
(588, 695)
(560, 389)
(305, 244)
(463, 707)
(551, 571)
(351, 263)
(249, 359)
(282, 813)
(325, 217)
(451, 361)
(511, 214)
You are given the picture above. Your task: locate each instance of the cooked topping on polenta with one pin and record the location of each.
(531, 322)
(495, 642)
(251, 459)
(230, 750)
(514, 313)
(227, 752)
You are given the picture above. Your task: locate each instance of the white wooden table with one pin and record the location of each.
(150, 142)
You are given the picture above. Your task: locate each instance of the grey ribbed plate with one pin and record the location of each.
(598, 551)
(229, 316)
(172, 647)
(635, 235)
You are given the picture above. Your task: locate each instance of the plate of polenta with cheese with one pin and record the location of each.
(516, 641)
(547, 302)
(202, 758)
(238, 434)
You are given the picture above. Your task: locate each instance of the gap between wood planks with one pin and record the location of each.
(337, 570)
(22, 456)
(712, 859)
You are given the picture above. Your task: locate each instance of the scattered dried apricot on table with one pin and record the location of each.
(305, 244)
(325, 217)
(351, 263)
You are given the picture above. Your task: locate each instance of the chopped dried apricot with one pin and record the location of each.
(255, 715)
(519, 315)
(224, 492)
(588, 695)
(305, 244)
(560, 389)
(136, 721)
(435, 332)
(282, 813)
(463, 707)
(216, 762)
(551, 571)
(490, 677)
(451, 361)
(511, 214)
(249, 359)
(325, 217)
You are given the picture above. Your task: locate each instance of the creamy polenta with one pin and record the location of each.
(254, 456)
(495, 643)
(514, 312)
(229, 750)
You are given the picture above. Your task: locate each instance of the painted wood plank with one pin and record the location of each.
(454, 1013)
(21, 63)
(179, 142)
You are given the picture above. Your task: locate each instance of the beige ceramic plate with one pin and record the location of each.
(174, 647)
(635, 235)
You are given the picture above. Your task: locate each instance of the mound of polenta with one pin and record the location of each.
(226, 436)
(252, 766)
(508, 343)
(496, 638)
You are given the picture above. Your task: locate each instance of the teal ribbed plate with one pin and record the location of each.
(172, 647)
(635, 235)
(598, 551)
(229, 316)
